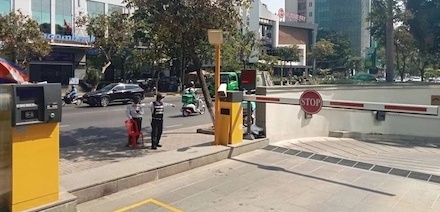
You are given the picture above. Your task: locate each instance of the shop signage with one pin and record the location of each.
(69, 38)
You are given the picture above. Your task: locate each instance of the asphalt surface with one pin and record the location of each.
(91, 124)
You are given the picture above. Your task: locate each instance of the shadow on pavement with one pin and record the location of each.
(102, 144)
(276, 168)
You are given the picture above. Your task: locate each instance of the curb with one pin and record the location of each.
(95, 183)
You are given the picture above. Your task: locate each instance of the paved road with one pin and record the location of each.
(91, 124)
(270, 181)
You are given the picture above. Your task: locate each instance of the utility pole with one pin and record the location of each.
(390, 41)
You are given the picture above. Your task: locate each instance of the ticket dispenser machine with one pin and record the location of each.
(231, 118)
(29, 144)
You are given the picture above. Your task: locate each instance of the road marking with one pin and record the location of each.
(64, 125)
(176, 125)
(150, 200)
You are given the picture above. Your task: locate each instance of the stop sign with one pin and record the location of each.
(311, 102)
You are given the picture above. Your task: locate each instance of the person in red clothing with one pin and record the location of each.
(135, 111)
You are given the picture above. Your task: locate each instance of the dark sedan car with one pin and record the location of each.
(114, 92)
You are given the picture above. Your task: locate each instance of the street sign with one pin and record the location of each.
(311, 102)
(281, 13)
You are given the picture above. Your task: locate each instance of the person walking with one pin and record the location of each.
(134, 112)
(157, 111)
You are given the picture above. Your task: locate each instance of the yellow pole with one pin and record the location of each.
(217, 98)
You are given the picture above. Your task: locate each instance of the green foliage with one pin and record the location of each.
(113, 34)
(183, 25)
(322, 50)
(355, 63)
(21, 37)
(238, 46)
(341, 49)
(267, 63)
(291, 53)
(405, 47)
(430, 72)
(93, 77)
(424, 25)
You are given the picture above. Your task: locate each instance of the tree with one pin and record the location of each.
(322, 50)
(404, 45)
(21, 38)
(341, 46)
(267, 63)
(113, 34)
(184, 24)
(385, 13)
(239, 46)
(247, 44)
(291, 54)
(425, 24)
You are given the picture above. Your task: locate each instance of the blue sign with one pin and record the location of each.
(71, 38)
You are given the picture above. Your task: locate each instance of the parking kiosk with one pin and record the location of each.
(29, 144)
(231, 118)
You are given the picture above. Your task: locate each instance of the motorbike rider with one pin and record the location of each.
(192, 90)
(73, 94)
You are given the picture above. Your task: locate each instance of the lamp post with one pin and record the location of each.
(215, 37)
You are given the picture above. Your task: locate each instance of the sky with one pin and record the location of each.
(273, 5)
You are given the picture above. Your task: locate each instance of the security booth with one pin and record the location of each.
(231, 118)
(29, 144)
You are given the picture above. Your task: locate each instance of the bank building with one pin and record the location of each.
(70, 44)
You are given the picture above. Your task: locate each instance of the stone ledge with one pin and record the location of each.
(66, 203)
(95, 183)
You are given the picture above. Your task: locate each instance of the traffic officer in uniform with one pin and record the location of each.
(157, 111)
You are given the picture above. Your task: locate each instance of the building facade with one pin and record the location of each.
(70, 43)
(299, 11)
(348, 17)
(264, 24)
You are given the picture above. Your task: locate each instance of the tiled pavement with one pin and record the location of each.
(270, 181)
(414, 156)
(89, 155)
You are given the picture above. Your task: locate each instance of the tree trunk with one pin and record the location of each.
(282, 74)
(205, 90)
(104, 68)
(390, 42)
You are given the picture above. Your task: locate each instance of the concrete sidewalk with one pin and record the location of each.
(86, 155)
(94, 170)
(271, 181)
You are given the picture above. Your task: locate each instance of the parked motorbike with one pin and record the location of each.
(192, 105)
(246, 113)
(67, 100)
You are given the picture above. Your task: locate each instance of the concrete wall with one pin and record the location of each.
(283, 122)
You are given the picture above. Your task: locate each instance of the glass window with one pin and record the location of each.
(95, 8)
(41, 13)
(63, 17)
(5, 7)
(310, 4)
(115, 8)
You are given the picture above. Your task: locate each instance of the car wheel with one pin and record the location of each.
(105, 101)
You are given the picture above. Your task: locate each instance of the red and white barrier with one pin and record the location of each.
(373, 106)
